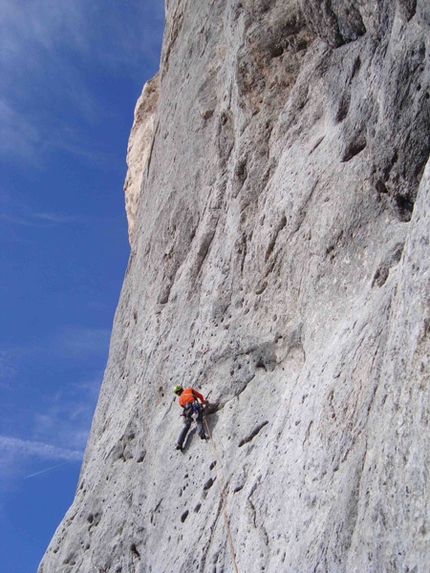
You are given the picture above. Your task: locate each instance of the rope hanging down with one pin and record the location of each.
(221, 486)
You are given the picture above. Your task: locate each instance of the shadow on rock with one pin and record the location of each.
(210, 416)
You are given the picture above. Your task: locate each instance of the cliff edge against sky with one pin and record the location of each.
(279, 209)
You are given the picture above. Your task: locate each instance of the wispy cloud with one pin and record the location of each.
(19, 457)
(18, 136)
(37, 219)
(110, 32)
(48, 53)
(81, 342)
(18, 447)
(69, 344)
(18, 210)
(69, 413)
(54, 217)
(57, 425)
(7, 369)
(58, 433)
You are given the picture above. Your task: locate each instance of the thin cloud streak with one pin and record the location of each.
(18, 137)
(54, 217)
(28, 448)
(19, 208)
(37, 219)
(75, 341)
(7, 371)
(82, 342)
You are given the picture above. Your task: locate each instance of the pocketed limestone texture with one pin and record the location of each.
(280, 261)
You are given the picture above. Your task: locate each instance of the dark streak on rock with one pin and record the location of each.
(354, 148)
(317, 144)
(208, 484)
(253, 434)
(278, 229)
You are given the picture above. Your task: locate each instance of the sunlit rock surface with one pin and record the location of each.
(280, 263)
(139, 148)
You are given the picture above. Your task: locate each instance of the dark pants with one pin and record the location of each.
(190, 409)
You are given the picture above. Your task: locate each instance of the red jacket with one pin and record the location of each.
(189, 395)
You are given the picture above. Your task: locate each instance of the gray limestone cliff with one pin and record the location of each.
(280, 263)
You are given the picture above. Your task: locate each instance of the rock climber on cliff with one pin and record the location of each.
(191, 401)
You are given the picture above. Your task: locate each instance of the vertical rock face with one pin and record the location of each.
(139, 148)
(280, 262)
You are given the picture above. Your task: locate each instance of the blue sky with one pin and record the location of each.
(71, 74)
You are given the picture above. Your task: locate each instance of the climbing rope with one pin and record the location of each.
(221, 486)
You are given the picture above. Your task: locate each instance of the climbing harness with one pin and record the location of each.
(221, 486)
(196, 407)
(191, 410)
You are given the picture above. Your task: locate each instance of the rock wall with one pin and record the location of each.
(280, 264)
(139, 148)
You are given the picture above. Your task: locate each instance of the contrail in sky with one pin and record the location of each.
(47, 470)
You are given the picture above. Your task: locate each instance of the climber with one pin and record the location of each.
(191, 401)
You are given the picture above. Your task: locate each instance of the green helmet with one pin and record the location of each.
(177, 389)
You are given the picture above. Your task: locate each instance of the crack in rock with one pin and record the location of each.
(253, 434)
